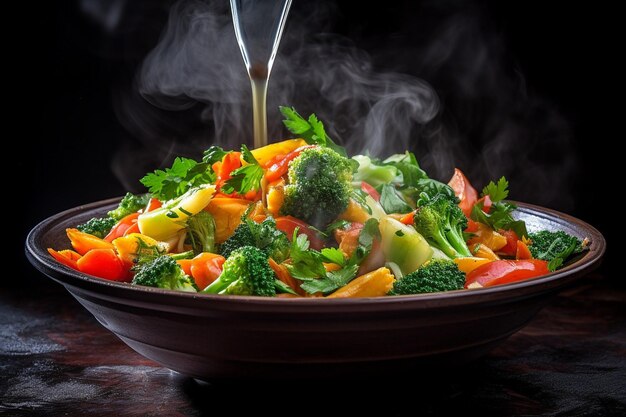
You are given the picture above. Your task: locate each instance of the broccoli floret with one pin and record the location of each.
(164, 272)
(99, 227)
(262, 235)
(129, 204)
(442, 222)
(319, 186)
(554, 247)
(246, 272)
(434, 276)
(201, 232)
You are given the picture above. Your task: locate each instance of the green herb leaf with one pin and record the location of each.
(497, 192)
(295, 123)
(305, 264)
(246, 178)
(332, 281)
(433, 187)
(333, 255)
(311, 130)
(213, 154)
(557, 259)
(407, 164)
(337, 224)
(247, 155)
(392, 202)
(499, 217)
(173, 182)
(368, 234)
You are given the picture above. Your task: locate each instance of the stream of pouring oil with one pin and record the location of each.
(259, 26)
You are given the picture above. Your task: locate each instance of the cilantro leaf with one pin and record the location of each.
(311, 130)
(173, 182)
(497, 192)
(245, 178)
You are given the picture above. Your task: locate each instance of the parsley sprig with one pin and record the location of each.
(499, 216)
(311, 129)
(173, 182)
(245, 178)
(308, 264)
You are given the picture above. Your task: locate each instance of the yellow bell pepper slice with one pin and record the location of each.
(166, 221)
(373, 284)
(468, 263)
(264, 154)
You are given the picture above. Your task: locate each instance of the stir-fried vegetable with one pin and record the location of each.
(301, 217)
(436, 275)
(319, 186)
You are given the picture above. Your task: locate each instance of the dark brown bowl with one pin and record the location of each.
(225, 337)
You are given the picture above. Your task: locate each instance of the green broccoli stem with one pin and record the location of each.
(183, 255)
(439, 240)
(217, 286)
(455, 237)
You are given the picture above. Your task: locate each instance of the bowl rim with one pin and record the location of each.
(42, 261)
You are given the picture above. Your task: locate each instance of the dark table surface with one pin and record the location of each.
(569, 360)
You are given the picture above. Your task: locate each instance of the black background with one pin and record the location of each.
(67, 70)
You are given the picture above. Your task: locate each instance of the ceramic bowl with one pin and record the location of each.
(233, 337)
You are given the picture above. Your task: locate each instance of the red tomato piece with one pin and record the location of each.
(510, 249)
(464, 191)
(289, 223)
(486, 203)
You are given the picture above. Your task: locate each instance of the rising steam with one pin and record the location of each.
(193, 91)
(197, 60)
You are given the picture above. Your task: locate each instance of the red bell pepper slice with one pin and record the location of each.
(103, 263)
(506, 271)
